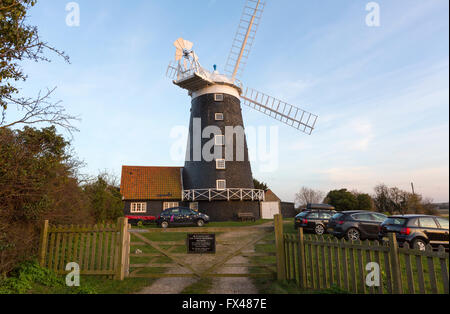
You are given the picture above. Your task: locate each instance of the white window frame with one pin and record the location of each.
(219, 142)
(221, 164)
(193, 206)
(218, 185)
(138, 208)
(218, 97)
(167, 205)
(219, 116)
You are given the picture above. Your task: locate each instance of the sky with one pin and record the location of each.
(381, 93)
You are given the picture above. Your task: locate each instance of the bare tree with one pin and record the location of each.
(38, 110)
(19, 42)
(308, 196)
(395, 200)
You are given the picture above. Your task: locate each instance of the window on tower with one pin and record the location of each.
(221, 185)
(218, 97)
(220, 140)
(220, 164)
(219, 117)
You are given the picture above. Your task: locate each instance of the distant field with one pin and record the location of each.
(443, 212)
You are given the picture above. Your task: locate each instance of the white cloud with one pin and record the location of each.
(363, 130)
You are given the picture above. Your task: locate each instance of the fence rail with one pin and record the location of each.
(98, 250)
(226, 194)
(322, 263)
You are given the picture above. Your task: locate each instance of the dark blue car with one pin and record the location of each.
(180, 216)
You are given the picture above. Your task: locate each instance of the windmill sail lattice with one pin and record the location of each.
(187, 73)
(244, 38)
(279, 110)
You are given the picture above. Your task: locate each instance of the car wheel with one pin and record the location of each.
(420, 244)
(353, 234)
(320, 230)
(200, 223)
(164, 224)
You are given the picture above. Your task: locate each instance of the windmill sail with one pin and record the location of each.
(244, 38)
(279, 110)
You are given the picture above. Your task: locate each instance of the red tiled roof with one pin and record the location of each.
(151, 183)
(271, 197)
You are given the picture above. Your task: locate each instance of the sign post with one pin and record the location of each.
(201, 243)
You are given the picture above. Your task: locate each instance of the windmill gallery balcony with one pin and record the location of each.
(223, 195)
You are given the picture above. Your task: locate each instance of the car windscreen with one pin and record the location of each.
(394, 221)
(303, 214)
(443, 222)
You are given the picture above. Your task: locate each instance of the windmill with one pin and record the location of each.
(216, 185)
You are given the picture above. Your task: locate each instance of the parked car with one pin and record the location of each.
(417, 230)
(320, 206)
(356, 225)
(181, 216)
(145, 220)
(314, 220)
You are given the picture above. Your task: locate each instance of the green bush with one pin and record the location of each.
(29, 274)
(22, 279)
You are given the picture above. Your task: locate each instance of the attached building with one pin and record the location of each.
(147, 191)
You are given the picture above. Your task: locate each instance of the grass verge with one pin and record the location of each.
(30, 278)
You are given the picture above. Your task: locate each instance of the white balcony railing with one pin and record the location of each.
(223, 195)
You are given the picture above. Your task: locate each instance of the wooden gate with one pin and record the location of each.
(98, 250)
(160, 259)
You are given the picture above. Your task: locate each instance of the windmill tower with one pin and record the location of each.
(223, 185)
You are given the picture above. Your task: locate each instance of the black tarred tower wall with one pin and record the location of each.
(203, 174)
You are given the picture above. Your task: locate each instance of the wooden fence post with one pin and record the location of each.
(279, 240)
(122, 223)
(301, 258)
(128, 248)
(395, 264)
(43, 244)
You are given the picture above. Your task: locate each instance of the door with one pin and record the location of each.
(367, 225)
(176, 217)
(313, 219)
(325, 217)
(430, 228)
(269, 209)
(186, 216)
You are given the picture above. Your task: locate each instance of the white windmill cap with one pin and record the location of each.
(219, 78)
